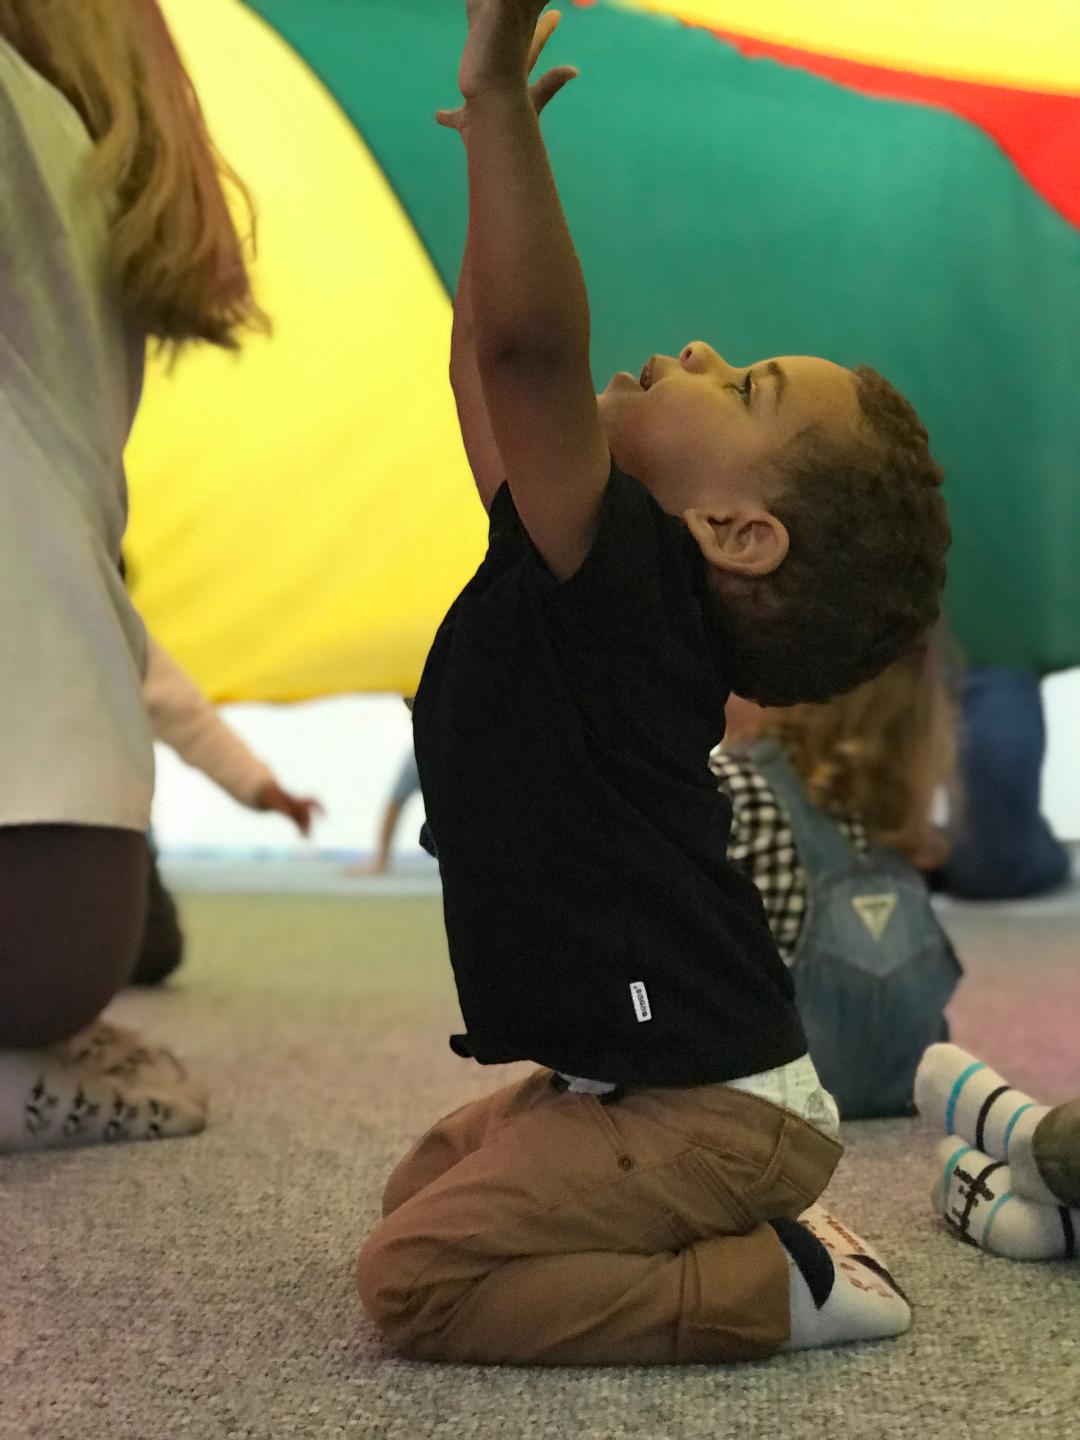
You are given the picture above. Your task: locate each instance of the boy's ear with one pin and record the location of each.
(747, 540)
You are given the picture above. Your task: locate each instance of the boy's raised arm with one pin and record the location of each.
(530, 317)
(477, 436)
(486, 463)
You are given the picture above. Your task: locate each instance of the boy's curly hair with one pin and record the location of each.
(862, 581)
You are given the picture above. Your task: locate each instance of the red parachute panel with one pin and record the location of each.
(1039, 131)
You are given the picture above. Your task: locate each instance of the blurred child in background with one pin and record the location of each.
(832, 821)
(406, 786)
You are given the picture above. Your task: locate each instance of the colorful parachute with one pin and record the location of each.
(891, 184)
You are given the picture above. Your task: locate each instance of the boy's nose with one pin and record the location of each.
(702, 355)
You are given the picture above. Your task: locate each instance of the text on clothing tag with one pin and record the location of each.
(640, 997)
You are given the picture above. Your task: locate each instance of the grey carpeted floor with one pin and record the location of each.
(202, 1289)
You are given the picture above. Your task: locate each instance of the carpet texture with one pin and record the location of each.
(202, 1289)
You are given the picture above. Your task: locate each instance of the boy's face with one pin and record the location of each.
(696, 431)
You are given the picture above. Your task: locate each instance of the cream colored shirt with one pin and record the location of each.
(75, 741)
(184, 719)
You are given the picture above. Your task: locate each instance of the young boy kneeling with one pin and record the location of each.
(638, 1200)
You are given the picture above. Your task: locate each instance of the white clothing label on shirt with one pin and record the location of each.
(640, 997)
(875, 911)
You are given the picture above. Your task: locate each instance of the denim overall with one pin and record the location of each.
(873, 969)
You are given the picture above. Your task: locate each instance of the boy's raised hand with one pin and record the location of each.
(542, 90)
(528, 308)
(496, 54)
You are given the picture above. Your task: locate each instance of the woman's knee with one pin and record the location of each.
(72, 904)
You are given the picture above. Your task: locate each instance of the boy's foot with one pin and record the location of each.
(974, 1194)
(67, 1096)
(1041, 1146)
(841, 1290)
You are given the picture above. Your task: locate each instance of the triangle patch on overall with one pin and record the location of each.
(875, 911)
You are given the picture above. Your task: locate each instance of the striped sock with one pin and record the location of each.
(975, 1194)
(966, 1098)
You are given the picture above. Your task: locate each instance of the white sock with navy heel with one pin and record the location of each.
(841, 1291)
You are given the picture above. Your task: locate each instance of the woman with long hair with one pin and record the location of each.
(114, 229)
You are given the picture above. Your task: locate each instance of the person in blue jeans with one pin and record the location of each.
(405, 787)
(1003, 848)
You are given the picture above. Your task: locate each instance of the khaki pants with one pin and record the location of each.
(541, 1227)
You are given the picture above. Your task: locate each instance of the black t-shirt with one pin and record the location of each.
(563, 732)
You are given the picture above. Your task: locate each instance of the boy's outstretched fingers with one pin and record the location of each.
(545, 28)
(543, 90)
(549, 85)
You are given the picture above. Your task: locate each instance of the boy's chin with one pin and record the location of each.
(620, 391)
(608, 421)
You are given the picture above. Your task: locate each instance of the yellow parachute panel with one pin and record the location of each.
(1034, 46)
(317, 482)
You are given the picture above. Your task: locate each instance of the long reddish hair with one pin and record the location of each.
(880, 752)
(176, 256)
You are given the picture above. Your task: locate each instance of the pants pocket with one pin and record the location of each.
(729, 1214)
(775, 1184)
(797, 1172)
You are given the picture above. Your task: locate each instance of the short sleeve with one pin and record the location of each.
(632, 620)
(502, 516)
(643, 568)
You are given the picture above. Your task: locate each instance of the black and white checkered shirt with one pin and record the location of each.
(763, 846)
